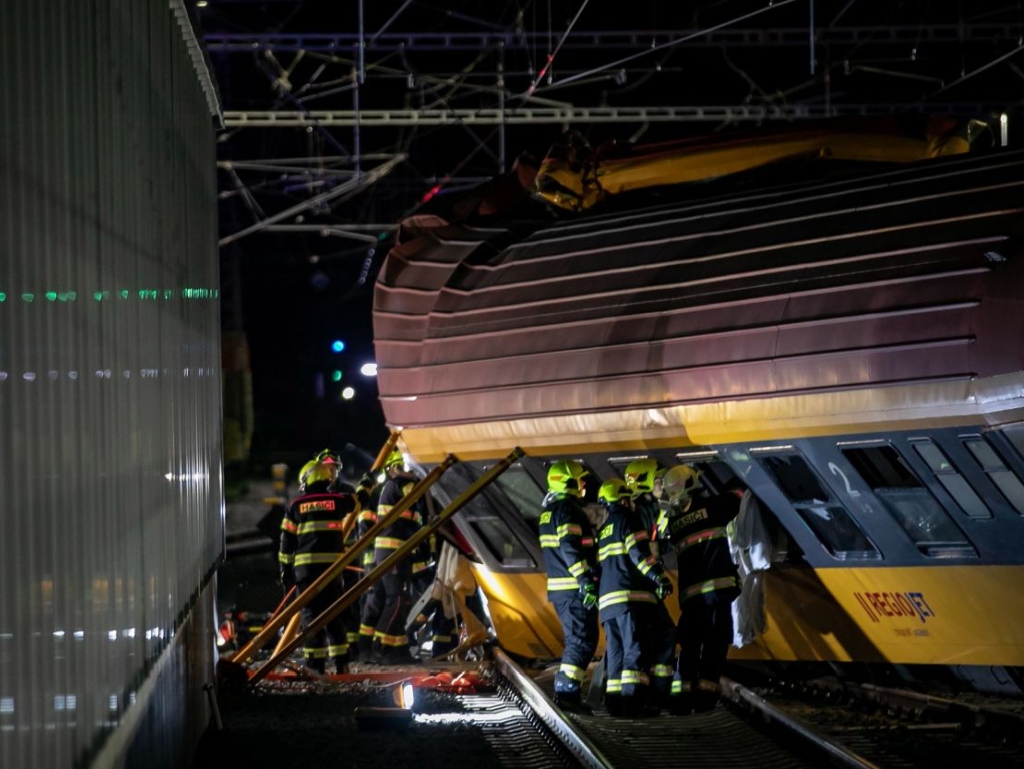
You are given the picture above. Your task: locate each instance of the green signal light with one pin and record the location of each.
(3, 296)
(28, 297)
(51, 296)
(336, 376)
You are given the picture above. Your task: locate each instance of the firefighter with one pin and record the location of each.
(570, 557)
(371, 603)
(644, 479)
(390, 639)
(708, 584)
(639, 633)
(312, 538)
(363, 492)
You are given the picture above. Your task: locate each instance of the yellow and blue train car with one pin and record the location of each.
(844, 337)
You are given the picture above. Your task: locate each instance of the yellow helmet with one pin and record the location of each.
(613, 490)
(564, 477)
(640, 475)
(680, 483)
(320, 472)
(394, 458)
(305, 469)
(328, 456)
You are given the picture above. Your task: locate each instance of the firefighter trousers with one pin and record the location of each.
(331, 642)
(579, 625)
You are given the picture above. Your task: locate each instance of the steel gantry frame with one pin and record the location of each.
(337, 42)
(357, 55)
(575, 115)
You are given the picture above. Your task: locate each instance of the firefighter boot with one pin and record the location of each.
(572, 702)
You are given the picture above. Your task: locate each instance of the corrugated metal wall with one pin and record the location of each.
(110, 416)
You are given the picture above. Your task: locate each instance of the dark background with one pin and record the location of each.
(751, 64)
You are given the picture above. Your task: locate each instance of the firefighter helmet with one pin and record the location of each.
(303, 471)
(613, 490)
(330, 457)
(320, 472)
(394, 458)
(680, 483)
(640, 475)
(564, 477)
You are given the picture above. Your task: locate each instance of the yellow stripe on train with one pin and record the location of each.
(942, 615)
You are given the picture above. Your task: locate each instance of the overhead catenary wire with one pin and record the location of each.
(670, 44)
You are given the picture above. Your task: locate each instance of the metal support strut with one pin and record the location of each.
(352, 594)
(283, 615)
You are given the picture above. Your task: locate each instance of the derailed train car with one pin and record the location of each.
(848, 344)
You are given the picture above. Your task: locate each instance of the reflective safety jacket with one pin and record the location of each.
(568, 544)
(629, 572)
(408, 523)
(366, 520)
(367, 517)
(312, 532)
(648, 515)
(698, 536)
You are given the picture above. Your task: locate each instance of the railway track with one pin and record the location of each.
(901, 729)
(725, 738)
(509, 721)
(793, 725)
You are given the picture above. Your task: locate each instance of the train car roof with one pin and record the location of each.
(830, 298)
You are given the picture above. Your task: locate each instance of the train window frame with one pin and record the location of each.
(618, 465)
(1014, 434)
(711, 466)
(906, 501)
(949, 477)
(826, 517)
(530, 515)
(1000, 474)
(489, 530)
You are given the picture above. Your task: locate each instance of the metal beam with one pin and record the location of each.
(541, 115)
(338, 231)
(350, 186)
(348, 43)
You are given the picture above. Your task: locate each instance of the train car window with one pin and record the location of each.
(825, 516)
(716, 476)
(482, 516)
(523, 492)
(1002, 476)
(1015, 434)
(911, 504)
(946, 474)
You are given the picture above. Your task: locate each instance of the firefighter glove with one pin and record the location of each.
(664, 588)
(368, 481)
(287, 577)
(588, 591)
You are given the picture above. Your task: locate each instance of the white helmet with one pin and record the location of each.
(680, 483)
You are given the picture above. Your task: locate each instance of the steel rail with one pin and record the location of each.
(585, 751)
(744, 696)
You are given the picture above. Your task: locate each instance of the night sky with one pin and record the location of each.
(293, 309)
